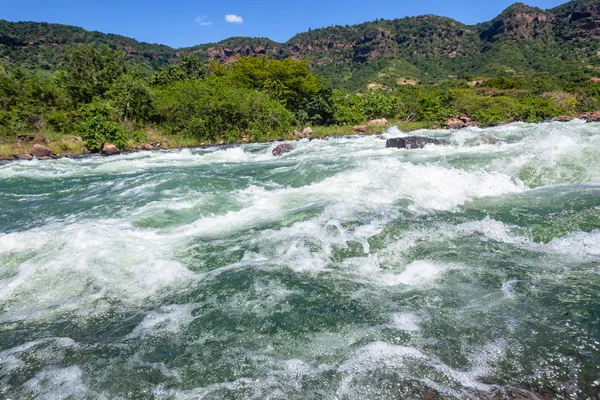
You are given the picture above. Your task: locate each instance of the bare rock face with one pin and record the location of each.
(413, 142)
(360, 129)
(110, 149)
(40, 151)
(283, 148)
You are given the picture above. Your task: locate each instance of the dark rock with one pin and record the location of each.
(110, 149)
(413, 142)
(282, 148)
(40, 151)
(563, 118)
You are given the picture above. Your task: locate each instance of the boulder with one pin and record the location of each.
(595, 117)
(465, 119)
(563, 118)
(360, 129)
(307, 132)
(39, 139)
(584, 116)
(148, 147)
(110, 149)
(24, 157)
(282, 148)
(85, 150)
(40, 151)
(455, 123)
(378, 122)
(413, 142)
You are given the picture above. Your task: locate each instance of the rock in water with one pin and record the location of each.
(595, 117)
(282, 148)
(413, 142)
(110, 149)
(40, 151)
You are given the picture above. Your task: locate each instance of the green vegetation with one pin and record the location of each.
(102, 98)
(527, 64)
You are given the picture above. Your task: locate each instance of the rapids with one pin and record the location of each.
(341, 270)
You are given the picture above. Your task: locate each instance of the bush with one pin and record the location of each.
(211, 109)
(98, 128)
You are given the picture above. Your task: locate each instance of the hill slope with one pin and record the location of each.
(521, 40)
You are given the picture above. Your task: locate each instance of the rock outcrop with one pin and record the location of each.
(413, 142)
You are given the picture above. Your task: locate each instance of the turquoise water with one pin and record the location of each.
(341, 270)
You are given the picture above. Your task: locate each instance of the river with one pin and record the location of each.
(340, 270)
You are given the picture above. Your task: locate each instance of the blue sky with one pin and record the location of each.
(182, 23)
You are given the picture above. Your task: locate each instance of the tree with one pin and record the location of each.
(90, 72)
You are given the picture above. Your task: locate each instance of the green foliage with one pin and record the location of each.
(97, 128)
(90, 72)
(213, 109)
(346, 108)
(289, 81)
(132, 97)
(190, 67)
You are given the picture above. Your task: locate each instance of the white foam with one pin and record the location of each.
(420, 272)
(406, 321)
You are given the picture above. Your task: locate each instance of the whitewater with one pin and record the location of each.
(340, 270)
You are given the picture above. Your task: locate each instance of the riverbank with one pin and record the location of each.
(51, 145)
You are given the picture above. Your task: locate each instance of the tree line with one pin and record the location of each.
(101, 97)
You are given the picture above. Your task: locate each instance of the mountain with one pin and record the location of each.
(521, 40)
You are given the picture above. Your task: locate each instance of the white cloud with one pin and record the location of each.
(203, 21)
(234, 19)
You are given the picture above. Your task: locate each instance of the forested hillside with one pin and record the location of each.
(522, 40)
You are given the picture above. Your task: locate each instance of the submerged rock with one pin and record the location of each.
(40, 151)
(413, 142)
(282, 148)
(110, 149)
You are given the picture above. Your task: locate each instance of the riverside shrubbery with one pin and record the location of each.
(103, 98)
